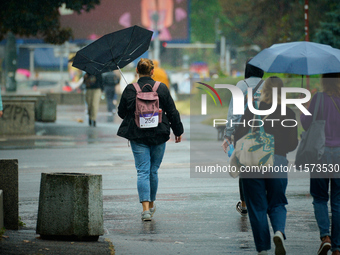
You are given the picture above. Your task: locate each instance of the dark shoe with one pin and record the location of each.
(90, 122)
(325, 246)
(239, 208)
(94, 123)
(337, 252)
(278, 239)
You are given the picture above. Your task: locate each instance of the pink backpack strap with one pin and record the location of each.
(155, 86)
(136, 85)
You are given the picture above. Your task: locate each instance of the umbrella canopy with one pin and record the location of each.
(305, 58)
(113, 51)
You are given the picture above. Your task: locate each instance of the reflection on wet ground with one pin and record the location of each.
(243, 224)
(64, 133)
(70, 130)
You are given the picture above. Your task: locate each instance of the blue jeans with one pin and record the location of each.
(266, 196)
(319, 190)
(147, 161)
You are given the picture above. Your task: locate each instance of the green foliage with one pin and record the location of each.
(21, 223)
(183, 106)
(39, 18)
(207, 21)
(2, 231)
(265, 22)
(329, 31)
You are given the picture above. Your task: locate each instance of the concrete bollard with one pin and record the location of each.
(18, 117)
(70, 207)
(9, 184)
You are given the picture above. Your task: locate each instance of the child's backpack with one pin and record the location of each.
(147, 114)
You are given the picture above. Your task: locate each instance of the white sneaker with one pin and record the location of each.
(263, 253)
(146, 216)
(278, 239)
(152, 210)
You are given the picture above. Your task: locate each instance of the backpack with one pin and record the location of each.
(110, 79)
(147, 114)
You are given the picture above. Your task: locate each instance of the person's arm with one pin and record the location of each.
(231, 119)
(127, 102)
(230, 129)
(292, 132)
(306, 120)
(117, 73)
(172, 113)
(100, 81)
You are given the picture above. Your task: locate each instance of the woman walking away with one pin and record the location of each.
(319, 187)
(148, 144)
(266, 193)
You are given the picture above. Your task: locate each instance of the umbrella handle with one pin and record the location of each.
(122, 74)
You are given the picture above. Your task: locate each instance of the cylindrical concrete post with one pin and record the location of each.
(70, 206)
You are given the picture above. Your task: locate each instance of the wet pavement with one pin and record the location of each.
(194, 215)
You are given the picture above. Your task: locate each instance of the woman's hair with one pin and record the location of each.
(267, 90)
(331, 84)
(145, 66)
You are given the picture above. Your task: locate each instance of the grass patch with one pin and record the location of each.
(2, 232)
(21, 223)
(210, 120)
(183, 106)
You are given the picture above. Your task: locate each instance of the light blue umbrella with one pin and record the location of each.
(304, 58)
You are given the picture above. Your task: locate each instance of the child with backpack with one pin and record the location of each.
(148, 112)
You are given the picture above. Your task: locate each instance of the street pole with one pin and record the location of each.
(61, 49)
(156, 43)
(307, 34)
(222, 52)
(227, 60)
(10, 63)
(31, 50)
(306, 21)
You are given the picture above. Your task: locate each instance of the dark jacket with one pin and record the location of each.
(285, 138)
(149, 136)
(93, 81)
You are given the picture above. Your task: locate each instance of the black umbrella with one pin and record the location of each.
(113, 51)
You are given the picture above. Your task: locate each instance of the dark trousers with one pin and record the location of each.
(266, 196)
(110, 94)
(240, 186)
